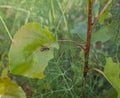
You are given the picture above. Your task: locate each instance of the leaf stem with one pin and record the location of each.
(81, 46)
(101, 72)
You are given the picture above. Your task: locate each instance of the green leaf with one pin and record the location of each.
(107, 13)
(81, 29)
(4, 72)
(31, 50)
(112, 72)
(111, 93)
(9, 89)
(104, 33)
(103, 17)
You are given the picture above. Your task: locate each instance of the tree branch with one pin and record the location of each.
(89, 34)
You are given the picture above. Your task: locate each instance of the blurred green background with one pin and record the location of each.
(67, 19)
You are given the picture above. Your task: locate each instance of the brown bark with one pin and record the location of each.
(89, 34)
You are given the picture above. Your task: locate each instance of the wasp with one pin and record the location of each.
(44, 48)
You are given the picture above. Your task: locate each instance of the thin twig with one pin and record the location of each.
(102, 11)
(98, 70)
(78, 44)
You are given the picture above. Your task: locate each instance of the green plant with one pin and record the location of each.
(32, 43)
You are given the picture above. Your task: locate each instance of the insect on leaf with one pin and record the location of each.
(31, 50)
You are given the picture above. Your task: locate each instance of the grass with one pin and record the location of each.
(64, 72)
